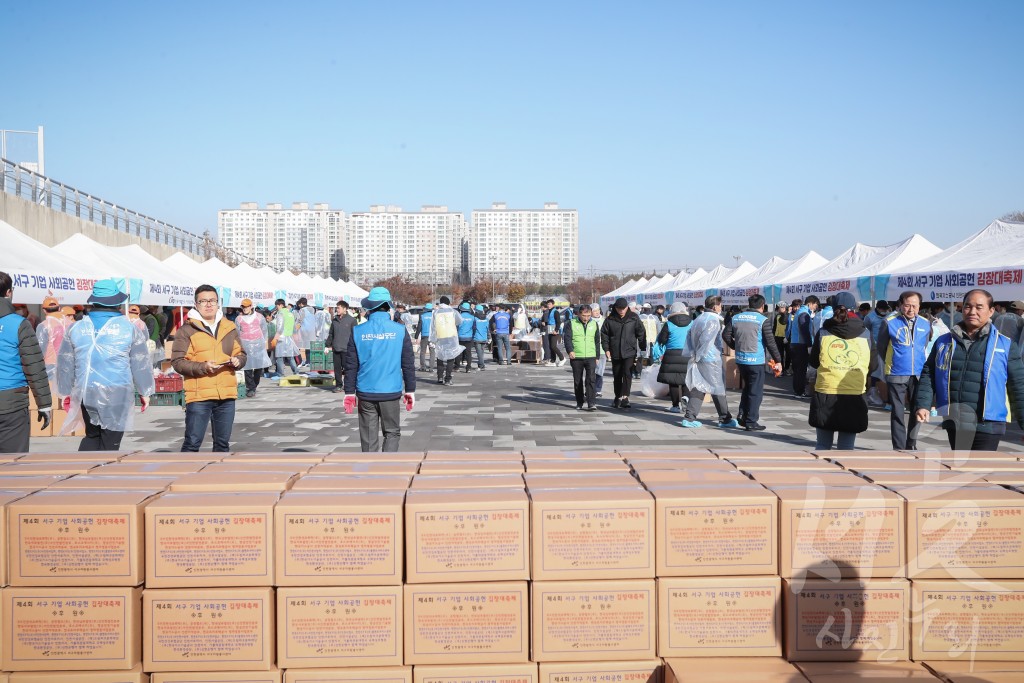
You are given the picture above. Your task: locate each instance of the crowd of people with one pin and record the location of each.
(961, 363)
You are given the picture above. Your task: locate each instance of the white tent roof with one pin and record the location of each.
(999, 244)
(39, 272)
(807, 263)
(862, 260)
(683, 280)
(658, 284)
(637, 286)
(615, 292)
(765, 274)
(721, 275)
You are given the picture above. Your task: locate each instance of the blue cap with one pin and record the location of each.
(378, 297)
(464, 306)
(428, 307)
(107, 293)
(480, 307)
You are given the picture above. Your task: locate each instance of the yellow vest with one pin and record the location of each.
(780, 326)
(844, 364)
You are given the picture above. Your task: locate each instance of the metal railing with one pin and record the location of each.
(38, 189)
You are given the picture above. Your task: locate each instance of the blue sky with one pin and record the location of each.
(684, 132)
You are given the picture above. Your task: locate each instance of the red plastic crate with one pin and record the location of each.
(170, 384)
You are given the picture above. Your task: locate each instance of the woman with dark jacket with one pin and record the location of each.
(843, 357)
(673, 364)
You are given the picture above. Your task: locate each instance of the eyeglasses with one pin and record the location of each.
(206, 302)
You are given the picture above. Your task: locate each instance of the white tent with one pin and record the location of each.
(653, 285)
(664, 293)
(762, 281)
(39, 272)
(990, 259)
(694, 293)
(853, 271)
(147, 280)
(611, 296)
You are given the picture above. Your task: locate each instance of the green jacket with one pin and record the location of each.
(583, 341)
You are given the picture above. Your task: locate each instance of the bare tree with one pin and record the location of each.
(1013, 217)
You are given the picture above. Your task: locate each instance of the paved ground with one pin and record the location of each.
(502, 408)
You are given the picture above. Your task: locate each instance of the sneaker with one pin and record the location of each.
(591, 409)
(675, 409)
(935, 412)
(449, 383)
(579, 406)
(691, 424)
(615, 403)
(337, 390)
(754, 427)
(598, 394)
(440, 381)
(250, 394)
(481, 368)
(624, 405)
(731, 423)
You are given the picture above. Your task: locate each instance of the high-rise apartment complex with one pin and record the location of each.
(425, 245)
(299, 238)
(525, 245)
(432, 245)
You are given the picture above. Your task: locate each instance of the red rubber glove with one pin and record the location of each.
(350, 403)
(410, 401)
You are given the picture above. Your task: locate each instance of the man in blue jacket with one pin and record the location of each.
(501, 328)
(800, 341)
(378, 365)
(423, 336)
(902, 344)
(466, 327)
(750, 334)
(480, 335)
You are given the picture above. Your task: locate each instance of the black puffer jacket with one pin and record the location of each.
(673, 365)
(835, 412)
(622, 336)
(966, 392)
(30, 357)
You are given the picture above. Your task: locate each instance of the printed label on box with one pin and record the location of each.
(961, 624)
(854, 619)
(612, 623)
(722, 618)
(466, 541)
(585, 539)
(730, 535)
(335, 627)
(456, 622)
(221, 630)
(968, 537)
(849, 537)
(194, 546)
(53, 629)
(74, 545)
(339, 545)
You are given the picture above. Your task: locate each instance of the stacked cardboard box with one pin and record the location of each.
(474, 567)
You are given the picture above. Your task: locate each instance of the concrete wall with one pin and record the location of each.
(52, 227)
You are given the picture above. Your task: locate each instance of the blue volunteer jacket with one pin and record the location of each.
(480, 329)
(424, 326)
(379, 360)
(466, 326)
(750, 334)
(904, 356)
(502, 322)
(12, 375)
(794, 333)
(993, 377)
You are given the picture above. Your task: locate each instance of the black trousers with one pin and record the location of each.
(783, 351)
(252, 379)
(798, 353)
(467, 354)
(903, 426)
(753, 393)
(339, 368)
(584, 373)
(445, 368)
(675, 392)
(551, 348)
(622, 376)
(376, 417)
(14, 431)
(97, 438)
(968, 439)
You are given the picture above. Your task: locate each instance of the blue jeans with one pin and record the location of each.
(280, 364)
(825, 438)
(504, 347)
(198, 414)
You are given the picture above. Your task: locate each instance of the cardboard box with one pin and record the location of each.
(727, 616)
(467, 623)
(949, 670)
(732, 373)
(407, 456)
(168, 457)
(731, 477)
(208, 629)
(871, 672)
(669, 454)
(593, 620)
(467, 534)
(476, 673)
(716, 531)
(57, 419)
(230, 468)
(592, 534)
(571, 466)
(70, 629)
(318, 627)
(272, 676)
(348, 539)
(6, 498)
(133, 675)
(836, 532)
(745, 454)
(837, 621)
(292, 457)
(148, 469)
(66, 469)
(30, 483)
(638, 671)
(91, 482)
(730, 670)
(234, 482)
(778, 465)
(73, 456)
(210, 539)
(77, 538)
(352, 482)
(400, 468)
(471, 467)
(476, 481)
(790, 478)
(498, 456)
(890, 478)
(602, 480)
(968, 533)
(555, 454)
(965, 620)
(377, 674)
